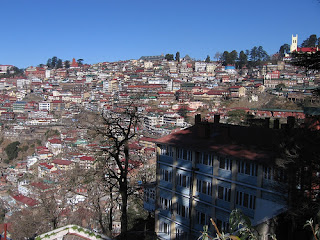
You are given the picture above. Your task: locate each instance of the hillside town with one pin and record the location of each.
(51, 147)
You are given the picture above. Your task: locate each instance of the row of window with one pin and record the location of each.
(204, 158)
(248, 168)
(165, 228)
(166, 150)
(245, 200)
(182, 210)
(183, 180)
(244, 167)
(184, 154)
(224, 193)
(204, 187)
(165, 204)
(225, 163)
(202, 219)
(166, 175)
(275, 174)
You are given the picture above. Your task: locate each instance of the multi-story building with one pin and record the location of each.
(209, 169)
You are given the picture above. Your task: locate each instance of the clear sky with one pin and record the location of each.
(110, 30)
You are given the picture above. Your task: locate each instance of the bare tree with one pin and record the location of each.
(114, 130)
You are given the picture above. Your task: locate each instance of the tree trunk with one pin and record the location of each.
(124, 217)
(111, 212)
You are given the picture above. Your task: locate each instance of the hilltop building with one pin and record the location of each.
(294, 46)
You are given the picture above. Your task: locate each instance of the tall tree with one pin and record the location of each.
(67, 64)
(59, 63)
(243, 59)
(169, 57)
(262, 54)
(311, 41)
(284, 49)
(233, 57)
(254, 54)
(178, 56)
(225, 58)
(208, 59)
(54, 62)
(49, 63)
(115, 130)
(298, 166)
(80, 62)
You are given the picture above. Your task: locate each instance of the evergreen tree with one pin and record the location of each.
(208, 59)
(54, 62)
(169, 57)
(178, 56)
(285, 48)
(242, 60)
(312, 41)
(49, 63)
(59, 63)
(67, 64)
(80, 62)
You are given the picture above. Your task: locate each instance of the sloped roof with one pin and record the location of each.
(230, 140)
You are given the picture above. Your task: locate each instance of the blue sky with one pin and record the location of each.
(111, 30)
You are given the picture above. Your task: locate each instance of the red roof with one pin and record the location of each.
(46, 165)
(61, 162)
(307, 49)
(87, 158)
(40, 185)
(55, 141)
(25, 200)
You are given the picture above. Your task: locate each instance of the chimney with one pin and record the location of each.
(216, 118)
(276, 123)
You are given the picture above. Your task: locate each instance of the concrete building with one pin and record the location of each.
(209, 169)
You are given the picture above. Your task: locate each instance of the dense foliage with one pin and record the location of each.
(12, 150)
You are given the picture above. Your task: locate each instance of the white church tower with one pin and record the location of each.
(294, 43)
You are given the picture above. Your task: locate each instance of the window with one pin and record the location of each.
(166, 175)
(204, 158)
(276, 174)
(184, 154)
(166, 204)
(183, 180)
(166, 150)
(248, 168)
(225, 163)
(204, 187)
(267, 173)
(246, 200)
(163, 149)
(224, 193)
(202, 218)
(165, 228)
(183, 211)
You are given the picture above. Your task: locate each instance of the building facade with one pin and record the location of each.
(208, 170)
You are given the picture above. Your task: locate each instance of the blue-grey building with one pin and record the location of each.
(209, 169)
